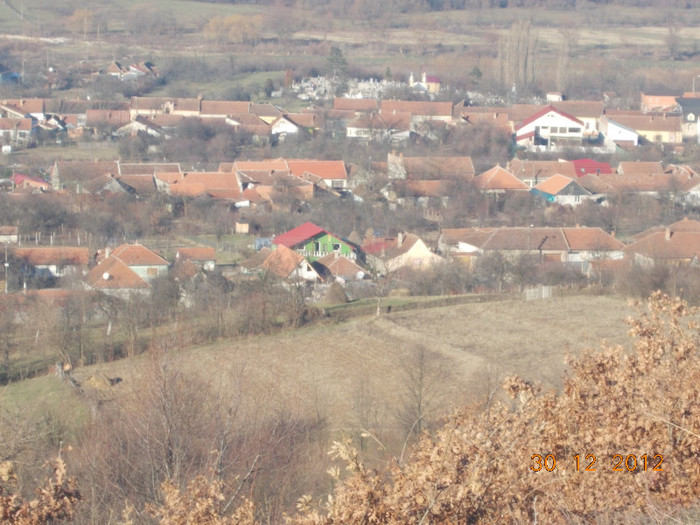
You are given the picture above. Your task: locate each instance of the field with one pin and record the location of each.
(321, 370)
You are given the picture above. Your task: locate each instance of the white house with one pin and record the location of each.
(549, 128)
(617, 134)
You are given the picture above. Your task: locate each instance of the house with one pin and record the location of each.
(313, 242)
(657, 128)
(376, 127)
(549, 128)
(532, 172)
(690, 111)
(587, 111)
(658, 102)
(574, 246)
(16, 131)
(9, 235)
(20, 180)
(617, 135)
(223, 108)
(203, 256)
(54, 261)
(357, 105)
(473, 115)
(289, 265)
(429, 168)
(332, 172)
(406, 250)
(114, 277)
(562, 190)
(592, 167)
(498, 180)
(145, 263)
(672, 246)
(338, 266)
(418, 110)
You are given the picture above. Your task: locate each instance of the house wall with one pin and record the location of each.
(149, 272)
(322, 245)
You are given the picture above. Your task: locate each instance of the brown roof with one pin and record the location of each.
(113, 273)
(210, 180)
(541, 169)
(645, 122)
(419, 108)
(159, 103)
(386, 121)
(142, 184)
(326, 169)
(109, 117)
(262, 165)
(555, 184)
(304, 120)
(26, 105)
(23, 124)
(356, 104)
(679, 245)
(639, 167)
(684, 225)
(84, 170)
(438, 167)
(340, 265)
(265, 110)
(47, 255)
(197, 253)
(648, 183)
(580, 108)
(498, 178)
(141, 168)
(282, 261)
(138, 255)
(9, 230)
(591, 239)
(534, 239)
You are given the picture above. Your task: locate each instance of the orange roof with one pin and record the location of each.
(326, 169)
(187, 190)
(169, 176)
(646, 122)
(142, 184)
(340, 265)
(113, 273)
(305, 120)
(282, 261)
(26, 105)
(679, 245)
(498, 178)
(23, 124)
(684, 225)
(262, 165)
(541, 169)
(138, 255)
(555, 184)
(59, 255)
(639, 167)
(591, 239)
(211, 179)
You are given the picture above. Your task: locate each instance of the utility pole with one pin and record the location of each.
(7, 265)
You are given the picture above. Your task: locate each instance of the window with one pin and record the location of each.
(574, 130)
(658, 138)
(152, 272)
(336, 246)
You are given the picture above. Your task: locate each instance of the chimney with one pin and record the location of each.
(107, 250)
(667, 234)
(399, 240)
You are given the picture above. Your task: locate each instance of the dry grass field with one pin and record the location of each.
(325, 370)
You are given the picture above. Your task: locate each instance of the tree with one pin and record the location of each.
(337, 65)
(516, 55)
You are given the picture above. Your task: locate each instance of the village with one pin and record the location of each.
(527, 213)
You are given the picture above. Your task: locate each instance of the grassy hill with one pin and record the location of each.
(323, 370)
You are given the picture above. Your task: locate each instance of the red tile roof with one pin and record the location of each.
(326, 169)
(554, 184)
(681, 246)
(282, 261)
(585, 166)
(498, 178)
(339, 265)
(417, 108)
(112, 273)
(298, 235)
(138, 255)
